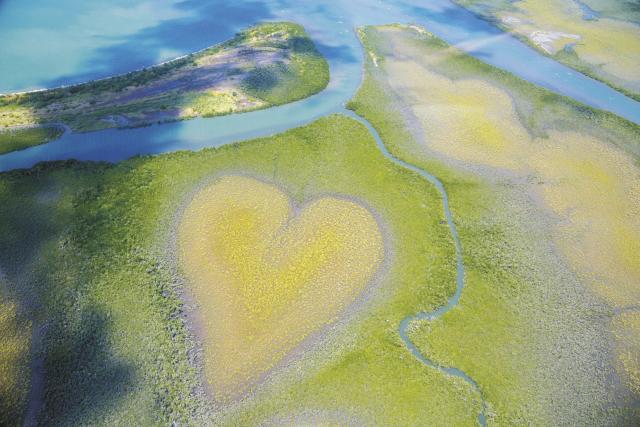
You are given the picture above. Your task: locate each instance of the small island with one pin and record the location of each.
(265, 65)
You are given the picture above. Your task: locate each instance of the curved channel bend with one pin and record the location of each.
(454, 300)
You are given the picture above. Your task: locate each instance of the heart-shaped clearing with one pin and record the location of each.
(266, 277)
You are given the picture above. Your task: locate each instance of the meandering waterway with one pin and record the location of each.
(454, 300)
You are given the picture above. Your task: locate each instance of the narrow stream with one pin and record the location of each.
(454, 300)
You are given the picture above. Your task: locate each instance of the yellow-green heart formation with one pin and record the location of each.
(266, 276)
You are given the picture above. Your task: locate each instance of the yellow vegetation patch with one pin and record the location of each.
(595, 190)
(218, 101)
(467, 120)
(593, 187)
(266, 277)
(16, 115)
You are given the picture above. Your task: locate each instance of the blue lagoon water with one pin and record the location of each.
(48, 43)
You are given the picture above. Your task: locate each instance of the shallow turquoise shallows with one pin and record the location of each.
(48, 43)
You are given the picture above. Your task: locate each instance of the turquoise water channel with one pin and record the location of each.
(45, 45)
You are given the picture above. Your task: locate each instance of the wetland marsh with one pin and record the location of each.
(512, 137)
(349, 364)
(458, 247)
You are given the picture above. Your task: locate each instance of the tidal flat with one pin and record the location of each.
(266, 65)
(599, 38)
(550, 286)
